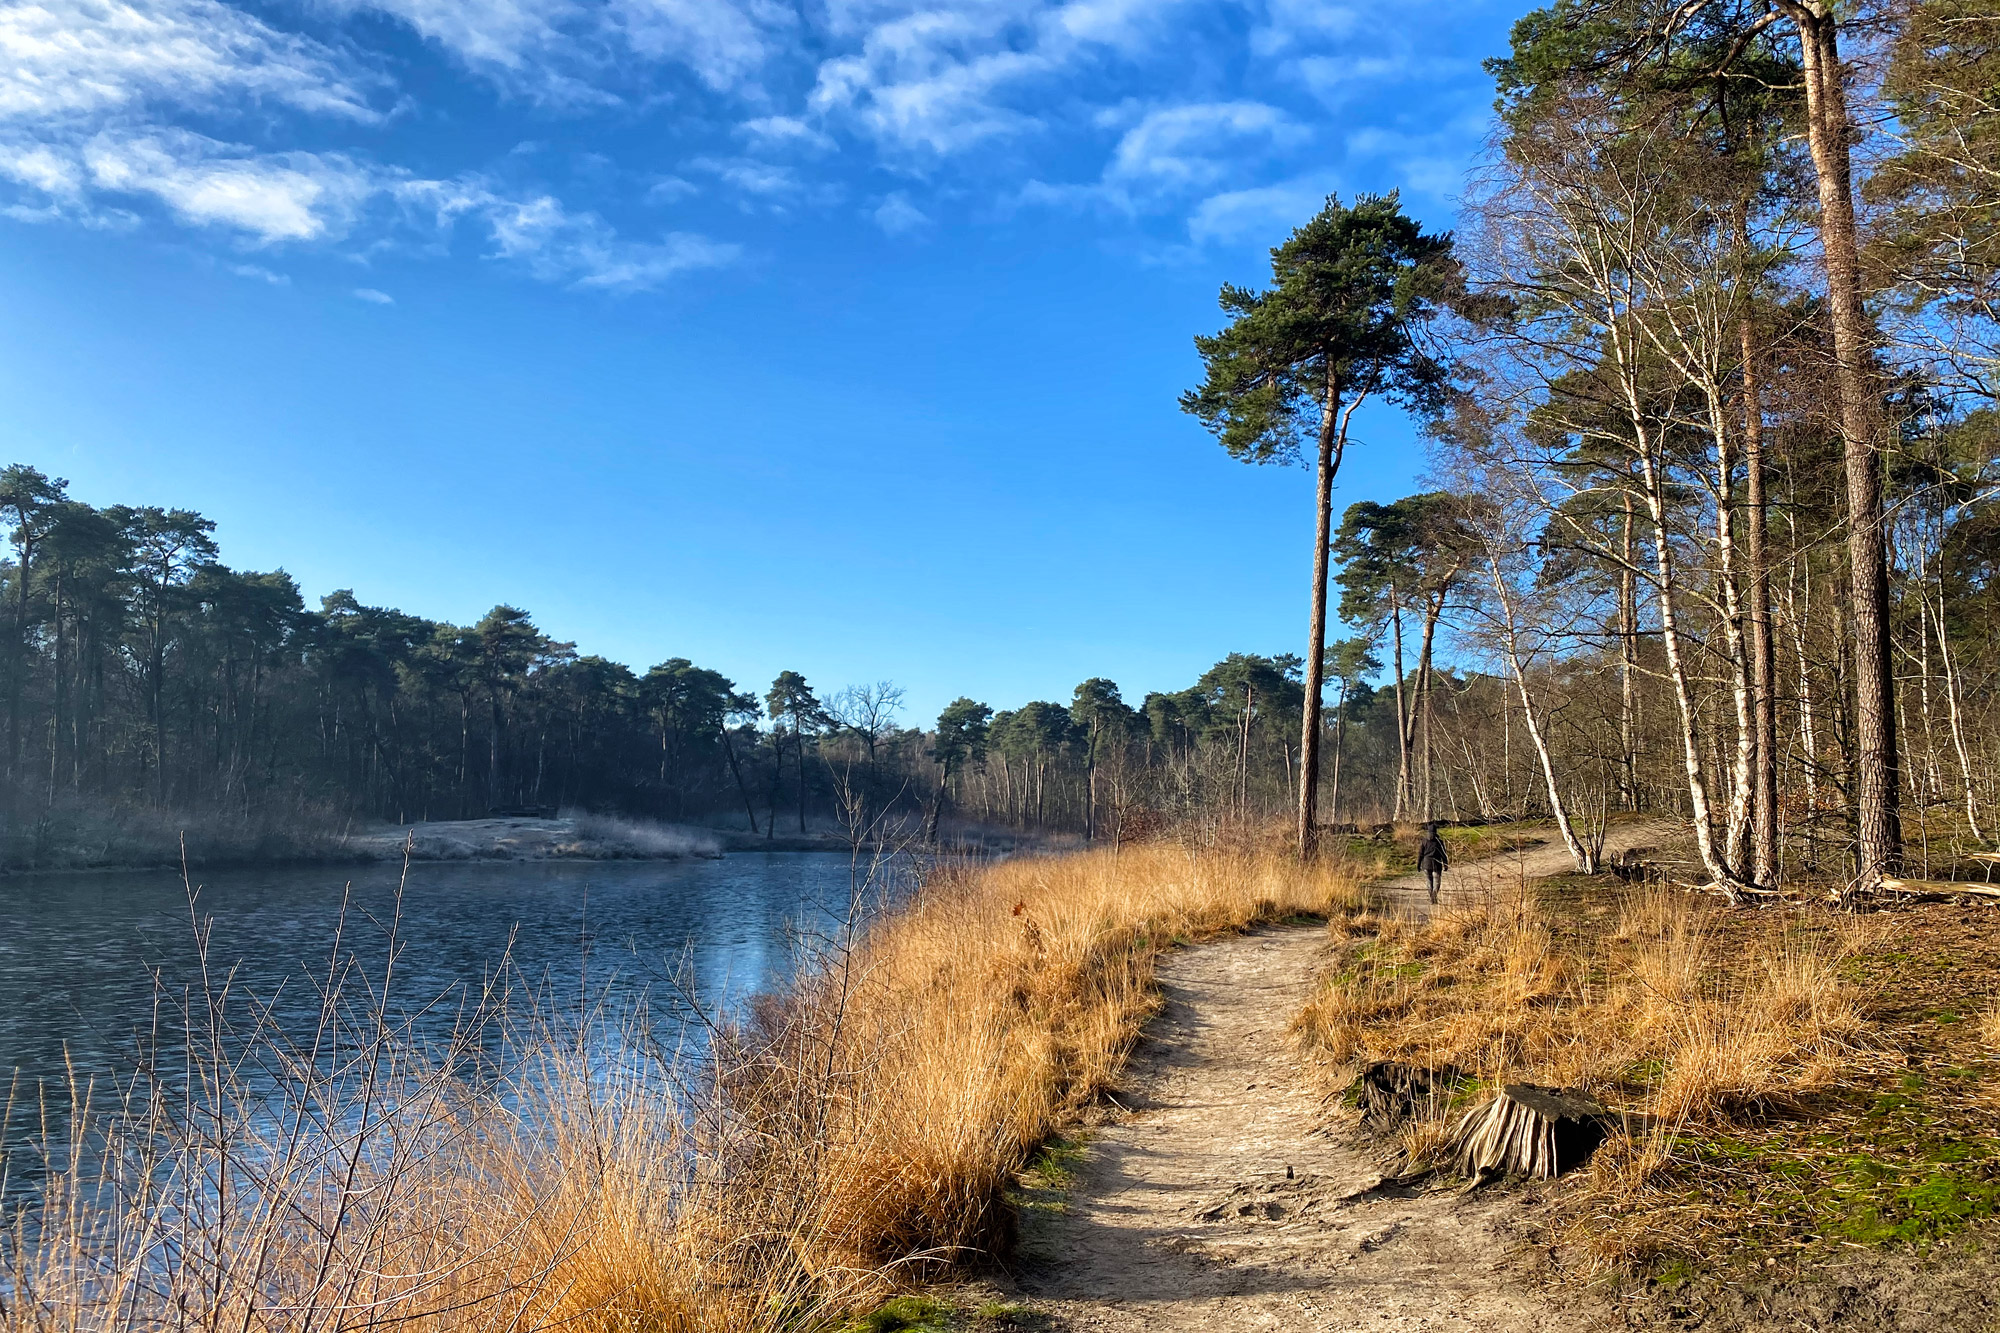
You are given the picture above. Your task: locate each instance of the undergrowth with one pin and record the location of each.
(1802, 1083)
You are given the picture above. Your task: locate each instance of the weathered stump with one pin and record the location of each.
(1530, 1130)
(1390, 1094)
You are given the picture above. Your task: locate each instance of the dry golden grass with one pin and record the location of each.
(859, 1129)
(1648, 1013)
(1636, 1003)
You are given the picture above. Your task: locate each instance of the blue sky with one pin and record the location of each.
(841, 336)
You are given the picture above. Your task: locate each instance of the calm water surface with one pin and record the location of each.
(79, 953)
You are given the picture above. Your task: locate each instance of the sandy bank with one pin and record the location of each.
(578, 838)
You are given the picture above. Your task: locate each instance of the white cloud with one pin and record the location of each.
(723, 43)
(785, 132)
(284, 197)
(272, 199)
(41, 167)
(373, 297)
(671, 189)
(91, 92)
(1265, 214)
(1171, 153)
(1291, 23)
(1339, 78)
(212, 114)
(764, 179)
(258, 273)
(579, 51)
(1200, 144)
(938, 79)
(897, 216)
(62, 60)
(582, 250)
(512, 39)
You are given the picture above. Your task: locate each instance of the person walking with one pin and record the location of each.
(1432, 859)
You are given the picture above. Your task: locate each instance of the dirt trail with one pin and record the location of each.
(1212, 1201)
(1475, 879)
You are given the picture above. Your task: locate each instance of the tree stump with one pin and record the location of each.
(1390, 1094)
(1530, 1131)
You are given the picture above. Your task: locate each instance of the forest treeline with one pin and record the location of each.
(142, 674)
(1708, 368)
(1708, 365)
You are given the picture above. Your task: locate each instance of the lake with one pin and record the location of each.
(79, 952)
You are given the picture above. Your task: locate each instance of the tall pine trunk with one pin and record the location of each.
(1628, 664)
(1878, 826)
(1329, 463)
(1402, 719)
(1763, 663)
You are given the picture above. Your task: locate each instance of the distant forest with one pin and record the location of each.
(144, 675)
(1710, 372)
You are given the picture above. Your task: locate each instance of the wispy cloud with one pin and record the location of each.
(582, 250)
(782, 132)
(69, 61)
(897, 216)
(267, 198)
(1198, 145)
(751, 176)
(1258, 213)
(941, 79)
(91, 96)
(1202, 115)
(373, 297)
(579, 52)
(1171, 155)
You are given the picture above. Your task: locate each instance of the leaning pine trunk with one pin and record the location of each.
(1742, 763)
(1646, 449)
(1704, 824)
(1957, 724)
(1585, 855)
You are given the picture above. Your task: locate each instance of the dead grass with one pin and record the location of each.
(857, 1131)
(1701, 1020)
(1818, 1082)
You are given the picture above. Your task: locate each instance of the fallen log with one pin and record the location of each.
(1529, 1130)
(1937, 889)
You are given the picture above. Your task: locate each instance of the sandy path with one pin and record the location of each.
(1475, 879)
(1214, 1202)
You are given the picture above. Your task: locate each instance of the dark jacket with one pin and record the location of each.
(1431, 854)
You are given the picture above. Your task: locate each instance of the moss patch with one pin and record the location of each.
(918, 1314)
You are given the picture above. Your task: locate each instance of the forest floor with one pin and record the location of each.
(1213, 1195)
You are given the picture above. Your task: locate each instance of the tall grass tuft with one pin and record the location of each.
(1646, 1011)
(540, 1167)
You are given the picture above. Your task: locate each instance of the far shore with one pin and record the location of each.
(498, 839)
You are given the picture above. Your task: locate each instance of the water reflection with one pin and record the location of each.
(79, 953)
